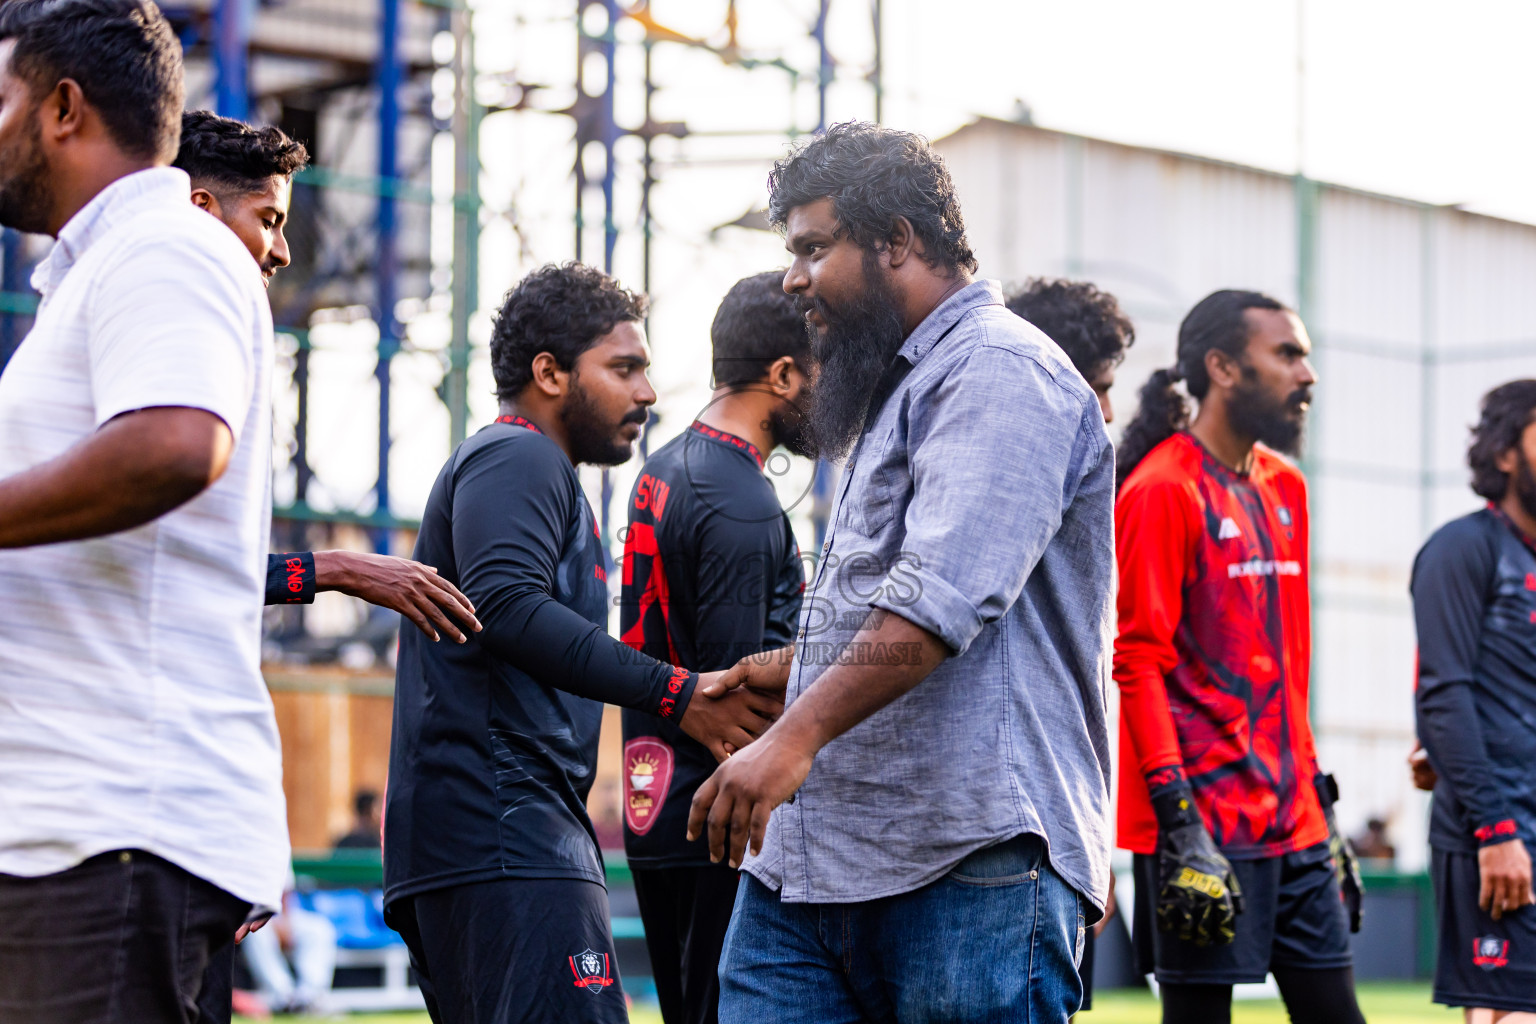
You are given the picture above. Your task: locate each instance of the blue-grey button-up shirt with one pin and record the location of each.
(977, 504)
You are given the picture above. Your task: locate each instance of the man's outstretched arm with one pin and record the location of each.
(136, 468)
(414, 590)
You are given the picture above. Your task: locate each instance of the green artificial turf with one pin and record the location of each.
(1382, 1003)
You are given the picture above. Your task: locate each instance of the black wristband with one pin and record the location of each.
(291, 578)
(676, 692)
(1173, 799)
(1327, 790)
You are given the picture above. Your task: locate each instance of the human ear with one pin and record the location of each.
(781, 375)
(65, 108)
(205, 200)
(901, 243)
(547, 375)
(1221, 368)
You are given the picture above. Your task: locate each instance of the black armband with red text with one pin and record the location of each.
(291, 578)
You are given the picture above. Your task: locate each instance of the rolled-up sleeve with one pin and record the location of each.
(996, 452)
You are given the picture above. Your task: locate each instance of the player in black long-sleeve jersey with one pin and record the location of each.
(711, 574)
(1474, 604)
(491, 867)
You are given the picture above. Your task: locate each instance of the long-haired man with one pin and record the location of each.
(1238, 867)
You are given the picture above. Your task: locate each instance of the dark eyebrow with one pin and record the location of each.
(639, 361)
(793, 242)
(278, 216)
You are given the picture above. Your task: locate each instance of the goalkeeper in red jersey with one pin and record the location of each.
(1239, 868)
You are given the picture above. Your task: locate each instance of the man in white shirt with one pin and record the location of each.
(141, 806)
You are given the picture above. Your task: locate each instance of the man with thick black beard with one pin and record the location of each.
(1474, 603)
(928, 819)
(491, 868)
(1221, 799)
(711, 574)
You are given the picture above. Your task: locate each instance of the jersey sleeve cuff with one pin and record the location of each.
(1498, 832)
(291, 578)
(676, 691)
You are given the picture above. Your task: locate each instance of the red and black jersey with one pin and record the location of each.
(1214, 647)
(711, 575)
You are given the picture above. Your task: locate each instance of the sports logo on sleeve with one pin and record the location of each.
(591, 970)
(647, 776)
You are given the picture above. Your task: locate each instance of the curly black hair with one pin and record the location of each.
(1087, 323)
(562, 309)
(231, 157)
(1506, 411)
(122, 54)
(873, 175)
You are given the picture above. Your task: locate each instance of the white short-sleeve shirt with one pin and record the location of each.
(132, 708)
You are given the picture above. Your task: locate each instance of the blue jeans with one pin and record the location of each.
(996, 940)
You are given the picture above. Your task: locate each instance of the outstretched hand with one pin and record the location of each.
(725, 714)
(766, 672)
(734, 803)
(399, 584)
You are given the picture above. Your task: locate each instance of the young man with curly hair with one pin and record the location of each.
(1474, 604)
(1085, 322)
(492, 871)
(927, 820)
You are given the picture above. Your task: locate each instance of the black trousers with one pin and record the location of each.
(686, 912)
(124, 936)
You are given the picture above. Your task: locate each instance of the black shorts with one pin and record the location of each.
(1292, 917)
(686, 912)
(124, 936)
(1480, 962)
(513, 950)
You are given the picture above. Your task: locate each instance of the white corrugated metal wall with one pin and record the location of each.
(1414, 311)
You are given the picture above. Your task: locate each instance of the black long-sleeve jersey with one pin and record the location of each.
(711, 574)
(1474, 603)
(495, 740)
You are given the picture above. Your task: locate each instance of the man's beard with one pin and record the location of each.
(593, 441)
(789, 424)
(25, 196)
(1254, 413)
(1524, 482)
(861, 341)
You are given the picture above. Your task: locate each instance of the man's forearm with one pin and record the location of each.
(850, 692)
(133, 470)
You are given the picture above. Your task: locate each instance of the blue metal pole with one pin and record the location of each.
(231, 56)
(388, 79)
(821, 482)
(610, 227)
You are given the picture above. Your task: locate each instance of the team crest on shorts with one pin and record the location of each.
(591, 970)
(1490, 951)
(647, 776)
